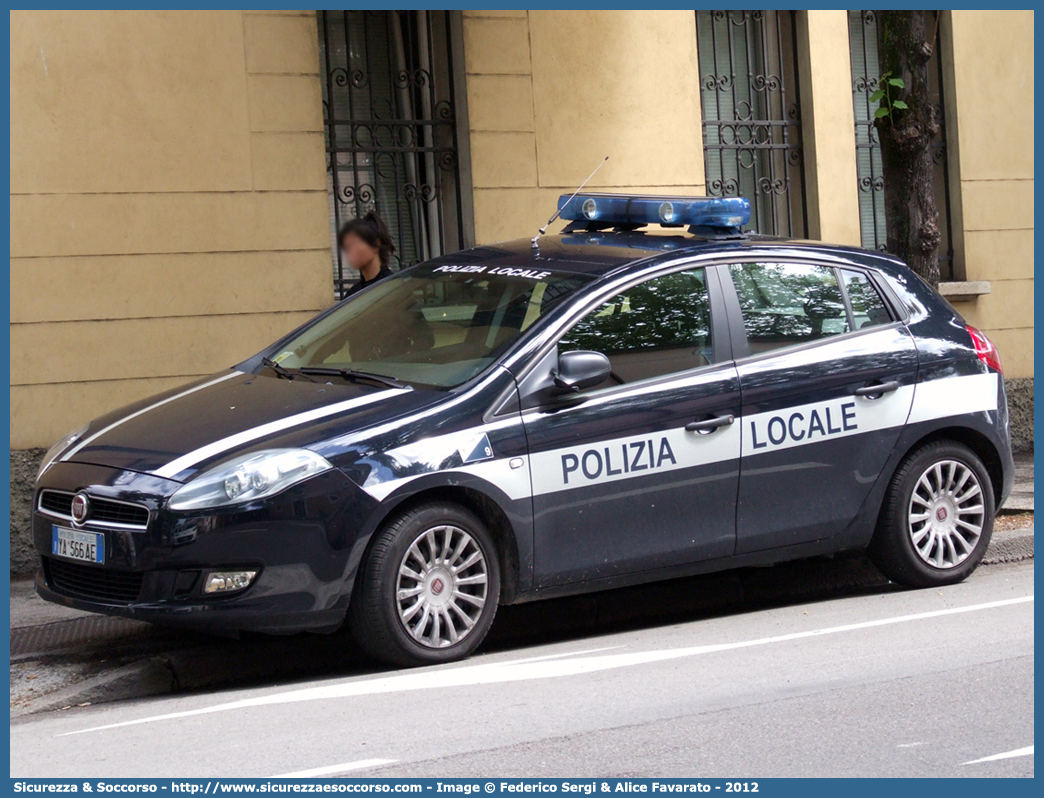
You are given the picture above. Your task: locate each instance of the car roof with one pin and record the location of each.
(603, 252)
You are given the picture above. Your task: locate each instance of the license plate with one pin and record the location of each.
(76, 545)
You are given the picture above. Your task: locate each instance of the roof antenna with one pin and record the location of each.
(535, 242)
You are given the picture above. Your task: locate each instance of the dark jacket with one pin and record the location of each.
(363, 282)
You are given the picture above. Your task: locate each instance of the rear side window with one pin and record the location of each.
(658, 327)
(784, 304)
(868, 309)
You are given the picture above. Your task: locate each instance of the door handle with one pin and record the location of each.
(710, 424)
(877, 390)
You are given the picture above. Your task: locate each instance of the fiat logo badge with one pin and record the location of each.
(436, 586)
(941, 513)
(81, 506)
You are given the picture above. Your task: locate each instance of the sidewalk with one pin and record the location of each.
(28, 609)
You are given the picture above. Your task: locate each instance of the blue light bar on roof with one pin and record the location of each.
(610, 209)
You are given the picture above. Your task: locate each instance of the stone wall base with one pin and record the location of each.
(1020, 407)
(24, 465)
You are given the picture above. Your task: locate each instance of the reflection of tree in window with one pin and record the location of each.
(786, 303)
(868, 309)
(669, 315)
(665, 312)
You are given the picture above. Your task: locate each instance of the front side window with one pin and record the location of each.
(657, 327)
(788, 303)
(432, 326)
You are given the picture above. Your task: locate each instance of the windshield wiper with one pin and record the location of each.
(282, 371)
(352, 376)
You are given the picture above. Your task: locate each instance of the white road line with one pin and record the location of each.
(1028, 751)
(546, 657)
(514, 671)
(335, 770)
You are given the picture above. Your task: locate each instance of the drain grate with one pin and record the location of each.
(65, 634)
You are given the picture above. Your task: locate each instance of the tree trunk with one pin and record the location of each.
(906, 42)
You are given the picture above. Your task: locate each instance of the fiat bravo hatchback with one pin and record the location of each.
(649, 394)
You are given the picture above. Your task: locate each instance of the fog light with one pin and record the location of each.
(225, 581)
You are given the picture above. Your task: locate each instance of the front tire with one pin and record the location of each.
(429, 590)
(937, 517)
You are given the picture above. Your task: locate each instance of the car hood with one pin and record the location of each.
(176, 434)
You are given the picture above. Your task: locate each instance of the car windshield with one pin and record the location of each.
(432, 326)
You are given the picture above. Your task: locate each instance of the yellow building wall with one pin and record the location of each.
(551, 93)
(992, 88)
(168, 202)
(828, 127)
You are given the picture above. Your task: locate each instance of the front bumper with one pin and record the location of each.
(300, 542)
(276, 615)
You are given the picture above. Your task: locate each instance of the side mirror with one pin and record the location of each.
(580, 370)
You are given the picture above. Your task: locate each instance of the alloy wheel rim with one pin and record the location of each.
(946, 514)
(442, 586)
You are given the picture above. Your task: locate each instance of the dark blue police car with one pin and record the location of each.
(649, 394)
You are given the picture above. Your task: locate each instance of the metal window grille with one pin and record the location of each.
(866, 68)
(392, 108)
(751, 115)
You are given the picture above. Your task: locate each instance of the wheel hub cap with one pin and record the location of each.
(441, 586)
(946, 515)
(435, 587)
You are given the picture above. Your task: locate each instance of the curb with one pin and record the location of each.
(139, 679)
(1012, 549)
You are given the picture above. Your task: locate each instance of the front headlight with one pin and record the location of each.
(58, 448)
(252, 476)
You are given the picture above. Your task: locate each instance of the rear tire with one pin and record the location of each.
(428, 592)
(937, 517)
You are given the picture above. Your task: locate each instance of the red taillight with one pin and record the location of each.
(985, 349)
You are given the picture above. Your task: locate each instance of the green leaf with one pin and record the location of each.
(877, 96)
(900, 105)
(885, 74)
(897, 82)
(881, 112)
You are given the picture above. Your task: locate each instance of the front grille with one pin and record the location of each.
(93, 582)
(56, 502)
(103, 511)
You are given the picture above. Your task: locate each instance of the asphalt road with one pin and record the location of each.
(886, 683)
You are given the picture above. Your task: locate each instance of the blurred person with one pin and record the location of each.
(367, 247)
